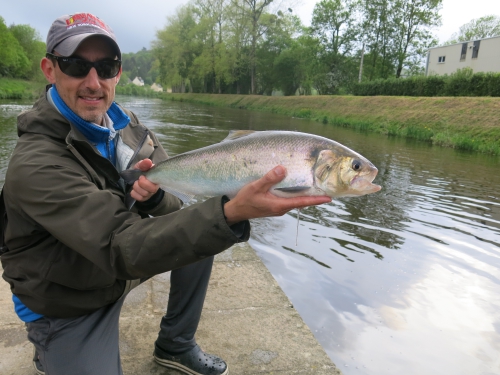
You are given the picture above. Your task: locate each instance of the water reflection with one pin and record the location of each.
(402, 281)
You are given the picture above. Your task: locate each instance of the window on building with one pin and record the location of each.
(441, 59)
(463, 55)
(475, 49)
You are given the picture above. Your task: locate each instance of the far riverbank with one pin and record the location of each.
(465, 123)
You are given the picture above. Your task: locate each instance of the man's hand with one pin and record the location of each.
(143, 189)
(254, 200)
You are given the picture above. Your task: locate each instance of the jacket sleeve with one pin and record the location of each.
(57, 197)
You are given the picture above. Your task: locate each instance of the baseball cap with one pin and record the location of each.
(68, 31)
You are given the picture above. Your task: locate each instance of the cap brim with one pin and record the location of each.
(69, 45)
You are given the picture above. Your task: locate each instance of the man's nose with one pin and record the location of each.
(92, 79)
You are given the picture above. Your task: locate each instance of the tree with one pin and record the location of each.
(275, 59)
(377, 30)
(480, 28)
(30, 41)
(13, 59)
(412, 22)
(254, 10)
(176, 49)
(334, 23)
(210, 65)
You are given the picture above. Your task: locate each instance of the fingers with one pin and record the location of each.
(271, 178)
(143, 189)
(144, 165)
(255, 200)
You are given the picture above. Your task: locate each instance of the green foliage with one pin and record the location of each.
(140, 64)
(131, 89)
(13, 59)
(462, 83)
(31, 42)
(11, 88)
(480, 28)
(241, 46)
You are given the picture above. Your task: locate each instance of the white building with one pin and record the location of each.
(481, 55)
(138, 81)
(156, 87)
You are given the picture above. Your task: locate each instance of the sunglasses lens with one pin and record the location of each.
(79, 68)
(108, 68)
(74, 67)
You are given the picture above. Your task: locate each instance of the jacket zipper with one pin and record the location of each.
(139, 146)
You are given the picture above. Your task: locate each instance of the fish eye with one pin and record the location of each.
(356, 165)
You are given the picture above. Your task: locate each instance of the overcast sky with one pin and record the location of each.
(135, 22)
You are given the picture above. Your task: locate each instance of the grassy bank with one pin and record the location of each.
(466, 123)
(19, 89)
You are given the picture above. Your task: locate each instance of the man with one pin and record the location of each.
(74, 250)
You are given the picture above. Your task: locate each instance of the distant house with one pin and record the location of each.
(156, 87)
(481, 55)
(138, 81)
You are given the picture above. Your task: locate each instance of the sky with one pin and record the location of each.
(135, 22)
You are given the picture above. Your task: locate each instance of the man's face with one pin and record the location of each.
(91, 96)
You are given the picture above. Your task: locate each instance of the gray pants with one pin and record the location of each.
(88, 345)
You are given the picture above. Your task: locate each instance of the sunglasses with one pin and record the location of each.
(79, 68)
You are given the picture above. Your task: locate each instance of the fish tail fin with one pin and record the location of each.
(131, 175)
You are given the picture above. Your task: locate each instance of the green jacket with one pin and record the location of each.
(72, 243)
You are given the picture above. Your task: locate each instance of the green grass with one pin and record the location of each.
(19, 89)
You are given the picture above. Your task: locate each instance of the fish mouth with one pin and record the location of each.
(364, 185)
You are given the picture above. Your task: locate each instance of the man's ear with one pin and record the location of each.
(118, 76)
(49, 69)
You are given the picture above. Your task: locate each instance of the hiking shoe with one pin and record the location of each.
(37, 365)
(193, 362)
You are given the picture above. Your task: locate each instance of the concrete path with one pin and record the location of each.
(247, 320)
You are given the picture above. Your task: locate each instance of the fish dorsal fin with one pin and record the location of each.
(235, 134)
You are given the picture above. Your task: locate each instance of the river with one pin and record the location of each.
(403, 281)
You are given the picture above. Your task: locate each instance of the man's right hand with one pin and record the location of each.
(255, 200)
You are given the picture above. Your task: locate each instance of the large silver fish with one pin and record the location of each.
(315, 166)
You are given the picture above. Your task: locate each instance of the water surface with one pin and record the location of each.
(403, 281)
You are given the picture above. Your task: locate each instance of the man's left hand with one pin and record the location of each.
(143, 189)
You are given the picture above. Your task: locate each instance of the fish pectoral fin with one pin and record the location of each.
(293, 189)
(184, 197)
(235, 134)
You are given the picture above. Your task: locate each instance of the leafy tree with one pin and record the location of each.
(377, 30)
(480, 28)
(276, 45)
(412, 36)
(209, 66)
(254, 9)
(31, 42)
(13, 59)
(333, 22)
(140, 64)
(176, 49)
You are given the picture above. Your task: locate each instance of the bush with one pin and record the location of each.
(131, 89)
(462, 83)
